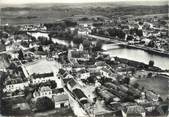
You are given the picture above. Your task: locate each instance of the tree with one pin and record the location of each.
(151, 44)
(86, 44)
(20, 56)
(53, 84)
(139, 33)
(12, 66)
(43, 40)
(52, 48)
(130, 38)
(77, 40)
(112, 32)
(151, 63)
(44, 104)
(141, 23)
(91, 79)
(127, 80)
(121, 34)
(40, 48)
(70, 23)
(136, 85)
(98, 46)
(149, 75)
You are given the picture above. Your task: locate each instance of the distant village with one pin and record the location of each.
(61, 67)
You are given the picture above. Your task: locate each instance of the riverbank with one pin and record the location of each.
(140, 65)
(147, 49)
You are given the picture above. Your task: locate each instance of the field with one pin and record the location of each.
(42, 66)
(31, 14)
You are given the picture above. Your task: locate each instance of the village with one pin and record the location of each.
(61, 67)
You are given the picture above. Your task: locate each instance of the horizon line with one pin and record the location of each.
(80, 2)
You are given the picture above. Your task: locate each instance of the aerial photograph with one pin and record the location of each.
(84, 58)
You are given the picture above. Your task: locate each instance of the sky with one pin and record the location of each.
(63, 1)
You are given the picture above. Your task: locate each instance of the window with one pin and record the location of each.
(62, 105)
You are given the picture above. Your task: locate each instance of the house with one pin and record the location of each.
(146, 41)
(135, 110)
(44, 91)
(41, 78)
(75, 55)
(78, 67)
(152, 96)
(61, 100)
(100, 64)
(83, 74)
(64, 74)
(105, 72)
(38, 34)
(80, 96)
(15, 86)
(67, 67)
(58, 96)
(15, 83)
(81, 48)
(71, 84)
(80, 55)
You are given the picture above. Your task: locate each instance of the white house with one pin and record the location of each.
(61, 100)
(38, 34)
(81, 47)
(44, 91)
(42, 80)
(84, 75)
(14, 87)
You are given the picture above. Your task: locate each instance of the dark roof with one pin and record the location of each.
(65, 74)
(61, 71)
(56, 91)
(43, 75)
(72, 83)
(79, 94)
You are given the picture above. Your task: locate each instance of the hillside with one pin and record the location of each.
(51, 13)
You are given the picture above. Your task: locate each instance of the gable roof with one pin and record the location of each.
(79, 93)
(72, 82)
(62, 97)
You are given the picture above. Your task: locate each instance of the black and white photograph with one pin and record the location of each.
(84, 58)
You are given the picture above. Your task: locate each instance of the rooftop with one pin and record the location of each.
(56, 91)
(79, 54)
(79, 93)
(72, 83)
(43, 75)
(59, 98)
(45, 88)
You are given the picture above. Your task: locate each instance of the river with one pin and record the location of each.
(136, 55)
(131, 54)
